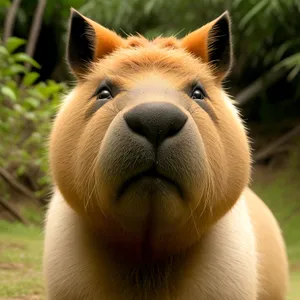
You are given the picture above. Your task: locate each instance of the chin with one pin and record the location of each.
(151, 203)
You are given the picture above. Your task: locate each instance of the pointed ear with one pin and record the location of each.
(87, 42)
(212, 43)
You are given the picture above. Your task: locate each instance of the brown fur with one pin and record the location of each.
(209, 245)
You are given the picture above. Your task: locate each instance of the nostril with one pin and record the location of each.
(175, 128)
(155, 121)
(134, 123)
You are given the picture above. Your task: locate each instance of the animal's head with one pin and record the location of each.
(148, 147)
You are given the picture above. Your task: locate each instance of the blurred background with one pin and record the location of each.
(265, 81)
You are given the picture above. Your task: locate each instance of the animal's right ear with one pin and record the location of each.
(87, 42)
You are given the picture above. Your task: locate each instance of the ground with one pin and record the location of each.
(20, 262)
(21, 247)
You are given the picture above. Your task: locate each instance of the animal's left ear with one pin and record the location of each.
(212, 43)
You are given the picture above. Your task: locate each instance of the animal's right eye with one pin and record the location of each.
(104, 94)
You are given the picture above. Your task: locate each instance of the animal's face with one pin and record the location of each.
(148, 147)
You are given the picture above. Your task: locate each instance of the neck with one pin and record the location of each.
(149, 279)
(87, 266)
(140, 273)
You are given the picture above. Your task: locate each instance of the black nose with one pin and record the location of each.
(155, 121)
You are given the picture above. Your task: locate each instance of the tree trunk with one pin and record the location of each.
(20, 188)
(10, 19)
(10, 208)
(258, 86)
(272, 147)
(35, 28)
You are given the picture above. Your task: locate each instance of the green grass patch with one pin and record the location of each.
(294, 286)
(282, 195)
(20, 261)
(280, 191)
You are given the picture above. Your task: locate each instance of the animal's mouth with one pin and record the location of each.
(153, 177)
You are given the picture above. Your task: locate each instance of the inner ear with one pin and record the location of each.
(81, 45)
(212, 43)
(220, 46)
(87, 42)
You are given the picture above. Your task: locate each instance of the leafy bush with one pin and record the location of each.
(26, 111)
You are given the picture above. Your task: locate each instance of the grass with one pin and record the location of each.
(280, 191)
(20, 262)
(294, 286)
(21, 247)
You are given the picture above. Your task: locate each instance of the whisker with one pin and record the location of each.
(194, 222)
(92, 176)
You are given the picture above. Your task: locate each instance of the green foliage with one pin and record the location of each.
(56, 14)
(4, 3)
(13, 44)
(27, 109)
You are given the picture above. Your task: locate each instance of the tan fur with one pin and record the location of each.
(212, 243)
(271, 256)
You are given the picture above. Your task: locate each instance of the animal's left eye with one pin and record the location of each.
(199, 93)
(104, 94)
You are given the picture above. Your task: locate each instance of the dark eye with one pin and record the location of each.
(198, 93)
(104, 94)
